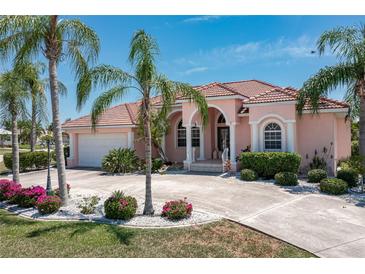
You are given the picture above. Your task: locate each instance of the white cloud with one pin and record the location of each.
(204, 18)
(281, 50)
(195, 70)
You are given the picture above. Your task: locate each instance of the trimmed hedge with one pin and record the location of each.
(286, 179)
(316, 175)
(349, 175)
(248, 175)
(267, 164)
(334, 186)
(29, 160)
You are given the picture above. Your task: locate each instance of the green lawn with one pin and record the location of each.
(20, 237)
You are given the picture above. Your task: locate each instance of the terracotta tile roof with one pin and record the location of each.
(123, 114)
(214, 89)
(249, 88)
(291, 94)
(254, 91)
(270, 96)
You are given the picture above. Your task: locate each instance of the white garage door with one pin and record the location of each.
(93, 147)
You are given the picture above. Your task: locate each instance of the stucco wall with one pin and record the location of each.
(326, 130)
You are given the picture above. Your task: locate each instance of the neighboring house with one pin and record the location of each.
(5, 137)
(244, 114)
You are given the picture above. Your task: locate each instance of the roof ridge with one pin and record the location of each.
(230, 89)
(255, 80)
(127, 105)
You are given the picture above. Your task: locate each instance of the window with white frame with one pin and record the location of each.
(195, 136)
(181, 136)
(272, 137)
(221, 119)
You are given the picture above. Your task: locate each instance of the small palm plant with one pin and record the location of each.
(57, 40)
(147, 82)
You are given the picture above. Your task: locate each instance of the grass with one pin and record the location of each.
(21, 237)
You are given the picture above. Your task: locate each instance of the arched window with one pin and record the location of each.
(221, 119)
(272, 137)
(181, 136)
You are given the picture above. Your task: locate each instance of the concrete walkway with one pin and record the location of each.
(324, 225)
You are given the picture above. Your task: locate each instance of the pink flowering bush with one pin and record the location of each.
(9, 191)
(119, 206)
(177, 209)
(29, 196)
(57, 191)
(48, 204)
(4, 185)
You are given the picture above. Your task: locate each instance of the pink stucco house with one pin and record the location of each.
(244, 114)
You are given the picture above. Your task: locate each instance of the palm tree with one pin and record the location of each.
(36, 86)
(13, 95)
(147, 82)
(69, 39)
(348, 44)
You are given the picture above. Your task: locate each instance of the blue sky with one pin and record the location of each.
(202, 49)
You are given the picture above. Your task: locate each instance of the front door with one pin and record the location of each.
(223, 138)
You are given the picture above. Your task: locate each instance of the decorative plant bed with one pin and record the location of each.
(72, 213)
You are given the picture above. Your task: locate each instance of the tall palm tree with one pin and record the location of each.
(348, 44)
(13, 95)
(147, 82)
(69, 39)
(36, 86)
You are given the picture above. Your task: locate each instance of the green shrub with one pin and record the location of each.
(267, 164)
(88, 204)
(157, 163)
(248, 175)
(355, 149)
(177, 209)
(349, 175)
(29, 160)
(286, 178)
(120, 160)
(316, 175)
(48, 204)
(119, 206)
(334, 186)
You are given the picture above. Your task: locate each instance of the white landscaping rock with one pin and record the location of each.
(71, 212)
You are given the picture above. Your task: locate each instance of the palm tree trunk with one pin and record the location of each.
(57, 133)
(15, 147)
(53, 52)
(33, 133)
(148, 206)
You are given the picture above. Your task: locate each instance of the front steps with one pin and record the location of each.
(207, 166)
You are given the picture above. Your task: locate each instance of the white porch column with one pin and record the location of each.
(131, 139)
(201, 145)
(291, 136)
(232, 142)
(189, 150)
(255, 137)
(72, 145)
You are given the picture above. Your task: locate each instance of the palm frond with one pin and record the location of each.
(102, 76)
(104, 101)
(81, 44)
(327, 79)
(143, 49)
(188, 92)
(345, 42)
(353, 99)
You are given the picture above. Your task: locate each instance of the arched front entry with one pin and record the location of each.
(214, 137)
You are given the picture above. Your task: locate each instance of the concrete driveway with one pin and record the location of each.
(325, 225)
